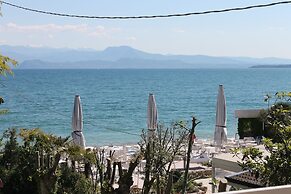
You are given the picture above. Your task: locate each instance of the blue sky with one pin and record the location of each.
(254, 33)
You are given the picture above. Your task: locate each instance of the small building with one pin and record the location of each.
(250, 123)
(250, 113)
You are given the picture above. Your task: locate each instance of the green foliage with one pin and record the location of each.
(5, 65)
(3, 111)
(191, 187)
(160, 153)
(72, 182)
(15, 169)
(277, 117)
(275, 167)
(30, 163)
(250, 127)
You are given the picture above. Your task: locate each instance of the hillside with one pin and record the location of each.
(123, 57)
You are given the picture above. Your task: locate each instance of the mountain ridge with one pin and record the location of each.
(123, 57)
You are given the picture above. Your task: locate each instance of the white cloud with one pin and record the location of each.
(3, 41)
(179, 30)
(97, 31)
(46, 28)
(131, 38)
(115, 30)
(35, 45)
(55, 28)
(50, 36)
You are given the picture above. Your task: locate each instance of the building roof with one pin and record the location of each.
(250, 113)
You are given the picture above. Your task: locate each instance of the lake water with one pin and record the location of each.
(115, 101)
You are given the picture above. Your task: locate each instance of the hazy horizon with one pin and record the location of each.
(117, 46)
(258, 33)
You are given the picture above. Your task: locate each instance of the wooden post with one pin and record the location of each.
(48, 157)
(108, 171)
(191, 135)
(213, 177)
(113, 173)
(120, 172)
(222, 185)
(42, 165)
(38, 160)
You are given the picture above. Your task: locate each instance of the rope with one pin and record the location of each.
(146, 16)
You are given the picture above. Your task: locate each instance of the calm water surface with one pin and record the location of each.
(116, 100)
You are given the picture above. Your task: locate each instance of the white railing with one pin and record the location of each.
(285, 189)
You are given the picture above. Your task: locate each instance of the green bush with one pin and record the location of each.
(250, 127)
(276, 116)
(29, 163)
(273, 168)
(73, 182)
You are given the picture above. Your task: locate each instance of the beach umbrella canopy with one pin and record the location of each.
(220, 134)
(152, 116)
(77, 123)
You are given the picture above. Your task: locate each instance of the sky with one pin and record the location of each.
(263, 32)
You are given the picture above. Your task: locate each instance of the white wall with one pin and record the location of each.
(286, 189)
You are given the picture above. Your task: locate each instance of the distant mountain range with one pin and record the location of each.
(123, 57)
(271, 66)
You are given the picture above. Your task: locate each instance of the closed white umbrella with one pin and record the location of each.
(220, 134)
(77, 123)
(152, 116)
